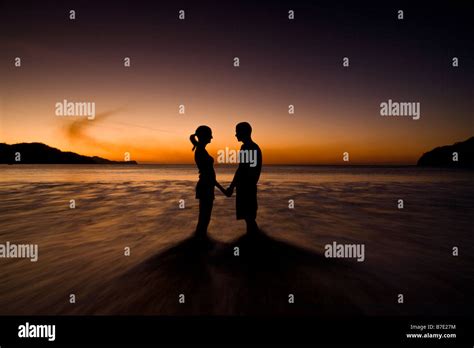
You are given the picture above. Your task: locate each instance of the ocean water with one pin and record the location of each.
(81, 251)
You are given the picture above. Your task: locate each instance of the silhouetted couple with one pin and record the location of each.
(245, 178)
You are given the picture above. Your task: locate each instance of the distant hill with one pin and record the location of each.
(443, 156)
(38, 153)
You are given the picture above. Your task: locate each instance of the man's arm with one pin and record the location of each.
(259, 165)
(235, 180)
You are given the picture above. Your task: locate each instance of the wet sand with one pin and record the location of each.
(81, 251)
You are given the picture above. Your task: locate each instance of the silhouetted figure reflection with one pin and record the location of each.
(207, 178)
(246, 178)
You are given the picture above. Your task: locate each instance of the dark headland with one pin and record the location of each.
(38, 153)
(445, 156)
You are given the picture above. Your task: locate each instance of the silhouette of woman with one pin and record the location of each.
(207, 178)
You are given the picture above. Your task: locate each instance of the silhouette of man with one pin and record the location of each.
(246, 178)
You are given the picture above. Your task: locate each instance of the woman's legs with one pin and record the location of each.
(205, 211)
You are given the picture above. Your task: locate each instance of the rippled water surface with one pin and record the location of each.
(81, 250)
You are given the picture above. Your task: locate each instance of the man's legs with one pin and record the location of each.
(252, 227)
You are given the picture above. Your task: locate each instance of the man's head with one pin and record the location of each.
(243, 131)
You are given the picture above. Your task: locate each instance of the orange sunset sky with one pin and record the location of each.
(336, 109)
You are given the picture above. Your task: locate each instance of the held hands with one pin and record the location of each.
(229, 191)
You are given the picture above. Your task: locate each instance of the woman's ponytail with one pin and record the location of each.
(203, 133)
(193, 140)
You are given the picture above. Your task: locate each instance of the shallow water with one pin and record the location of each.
(81, 250)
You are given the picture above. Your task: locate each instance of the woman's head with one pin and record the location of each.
(203, 134)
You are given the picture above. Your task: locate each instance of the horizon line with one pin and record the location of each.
(293, 164)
